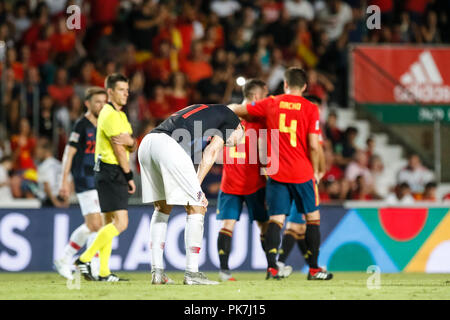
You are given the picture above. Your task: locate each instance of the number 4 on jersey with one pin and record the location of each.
(234, 153)
(292, 129)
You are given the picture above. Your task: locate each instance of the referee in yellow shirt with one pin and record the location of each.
(113, 176)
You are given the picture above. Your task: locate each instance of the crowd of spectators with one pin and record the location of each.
(177, 53)
(354, 173)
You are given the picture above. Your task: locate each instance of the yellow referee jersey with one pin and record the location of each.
(110, 123)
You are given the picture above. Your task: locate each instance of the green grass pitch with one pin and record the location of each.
(250, 286)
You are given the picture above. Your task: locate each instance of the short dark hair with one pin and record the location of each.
(250, 85)
(92, 91)
(295, 77)
(113, 78)
(404, 185)
(314, 99)
(6, 158)
(430, 185)
(350, 130)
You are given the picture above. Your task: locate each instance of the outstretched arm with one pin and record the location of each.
(240, 110)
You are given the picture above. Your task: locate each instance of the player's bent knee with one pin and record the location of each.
(162, 206)
(315, 215)
(121, 221)
(279, 218)
(94, 222)
(229, 224)
(94, 226)
(195, 209)
(296, 227)
(121, 226)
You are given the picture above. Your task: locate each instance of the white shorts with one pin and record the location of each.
(88, 201)
(167, 172)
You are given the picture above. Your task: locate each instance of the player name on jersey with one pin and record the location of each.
(290, 105)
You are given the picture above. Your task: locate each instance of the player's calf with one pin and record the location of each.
(272, 238)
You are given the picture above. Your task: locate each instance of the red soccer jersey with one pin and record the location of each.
(241, 169)
(294, 118)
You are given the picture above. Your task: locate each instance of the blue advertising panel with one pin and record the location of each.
(30, 239)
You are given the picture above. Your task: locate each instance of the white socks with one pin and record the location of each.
(91, 239)
(193, 236)
(78, 239)
(158, 229)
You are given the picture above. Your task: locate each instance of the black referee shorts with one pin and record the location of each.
(112, 187)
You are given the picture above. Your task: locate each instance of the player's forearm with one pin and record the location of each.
(121, 155)
(203, 169)
(322, 164)
(315, 159)
(66, 164)
(208, 159)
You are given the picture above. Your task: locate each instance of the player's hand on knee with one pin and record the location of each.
(204, 201)
(131, 187)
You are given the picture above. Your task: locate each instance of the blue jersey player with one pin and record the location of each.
(78, 160)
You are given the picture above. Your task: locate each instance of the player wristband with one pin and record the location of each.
(129, 175)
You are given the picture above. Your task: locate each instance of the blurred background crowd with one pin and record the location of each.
(177, 53)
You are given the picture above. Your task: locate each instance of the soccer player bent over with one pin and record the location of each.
(242, 182)
(169, 177)
(113, 176)
(78, 159)
(297, 150)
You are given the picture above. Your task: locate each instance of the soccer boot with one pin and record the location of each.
(160, 277)
(319, 274)
(225, 275)
(95, 267)
(284, 271)
(111, 278)
(272, 273)
(63, 268)
(85, 269)
(197, 278)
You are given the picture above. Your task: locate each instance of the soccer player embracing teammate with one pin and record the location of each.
(242, 182)
(296, 152)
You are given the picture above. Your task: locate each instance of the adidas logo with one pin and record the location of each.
(423, 82)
